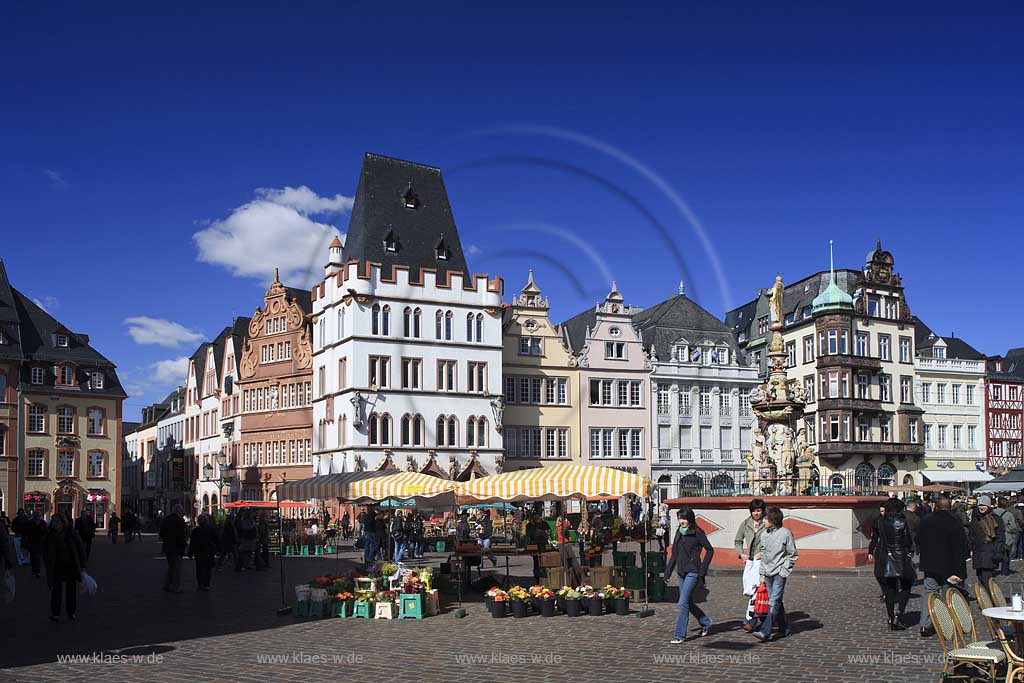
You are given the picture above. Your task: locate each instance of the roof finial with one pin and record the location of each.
(831, 262)
(682, 288)
(277, 279)
(615, 287)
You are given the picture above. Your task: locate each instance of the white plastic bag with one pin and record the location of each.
(751, 576)
(7, 587)
(88, 584)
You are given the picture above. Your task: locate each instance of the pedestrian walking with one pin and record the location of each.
(228, 539)
(896, 551)
(1012, 533)
(202, 548)
(368, 523)
(248, 537)
(664, 525)
(64, 556)
(748, 549)
(417, 534)
(32, 539)
(345, 530)
(691, 557)
(1018, 513)
(85, 527)
(778, 557)
(873, 554)
(988, 540)
(18, 525)
(943, 556)
(262, 558)
(113, 526)
(174, 534)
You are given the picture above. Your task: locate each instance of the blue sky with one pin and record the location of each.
(587, 142)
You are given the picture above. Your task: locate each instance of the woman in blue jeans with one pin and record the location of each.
(778, 557)
(687, 547)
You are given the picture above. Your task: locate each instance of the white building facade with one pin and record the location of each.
(407, 346)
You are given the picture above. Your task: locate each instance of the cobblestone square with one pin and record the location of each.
(233, 633)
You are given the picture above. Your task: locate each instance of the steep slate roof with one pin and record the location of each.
(380, 207)
(302, 297)
(678, 317)
(129, 427)
(925, 338)
(199, 359)
(9, 321)
(575, 328)
(795, 298)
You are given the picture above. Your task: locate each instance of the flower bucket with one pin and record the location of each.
(572, 607)
(302, 608)
(609, 605)
(595, 606)
(535, 603)
(560, 603)
(498, 609)
(622, 606)
(520, 609)
(547, 607)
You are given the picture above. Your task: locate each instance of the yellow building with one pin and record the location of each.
(64, 441)
(540, 385)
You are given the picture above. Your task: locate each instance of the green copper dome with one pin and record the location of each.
(833, 298)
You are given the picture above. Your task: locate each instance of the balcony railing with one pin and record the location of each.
(705, 411)
(725, 411)
(664, 454)
(707, 455)
(686, 454)
(849, 361)
(684, 410)
(950, 365)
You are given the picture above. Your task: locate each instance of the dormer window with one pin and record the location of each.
(96, 379)
(615, 332)
(410, 200)
(390, 240)
(65, 375)
(681, 353)
(38, 375)
(442, 250)
(61, 340)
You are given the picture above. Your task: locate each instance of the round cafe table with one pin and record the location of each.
(1007, 614)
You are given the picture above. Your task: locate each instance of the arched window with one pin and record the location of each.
(385, 321)
(836, 482)
(341, 323)
(416, 323)
(441, 431)
(417, 430)
(691, 484)
(385, 430)
(664, 487)
(864, 476)
(471, 432)
(213, 502)
(206, 503)
(407, 322)
(480, 327)
(448, 326)
(374, 429)
(722, 485)
(886, 474)
(481, 432)
(453, 426)
(469, 327)
(437, 324)
(375, 319)
(406, 428)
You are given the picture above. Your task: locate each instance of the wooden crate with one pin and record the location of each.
(550, 559)
(598, 577)
(555, 578)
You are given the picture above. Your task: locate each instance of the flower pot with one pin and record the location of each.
(572, 607)
(520, 609)
(498, 609)
(535, 603)
(622, 606)
(560, 602)
(595, 606)
(547, 607)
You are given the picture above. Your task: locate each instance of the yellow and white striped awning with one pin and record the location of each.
(554, 483)
(366, 486)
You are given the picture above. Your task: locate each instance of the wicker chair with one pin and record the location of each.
(998, 599)
(979, 661)
(963, 619)
(984, 602)
(1014, 662)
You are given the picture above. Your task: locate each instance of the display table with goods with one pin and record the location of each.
(473, 554)
(386, 591)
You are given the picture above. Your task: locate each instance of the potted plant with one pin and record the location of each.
(560, 598)
(593, 601)
(343, 603)
(573, 598)
(497, 603)
(622, 602)
(609, 593)
(545, 598)
(520, 600)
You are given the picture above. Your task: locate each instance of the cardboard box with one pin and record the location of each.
(599, 577)
(555, 578)
(551, 560)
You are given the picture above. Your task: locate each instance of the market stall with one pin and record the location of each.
(560, 482)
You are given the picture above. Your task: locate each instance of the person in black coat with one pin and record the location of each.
(174, 535)
(32, 534)
(988, 540)
(64, 555)
(202, 548)
(943, 555)
(689, 545)
(86, 530)
(873, 556)
(896, 548)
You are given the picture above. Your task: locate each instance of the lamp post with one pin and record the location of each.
(226, 472)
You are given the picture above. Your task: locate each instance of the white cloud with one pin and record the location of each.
(55, 178)
(146, 330)
(274, 231)
(170, 372)
(473, 250)
(47, 303)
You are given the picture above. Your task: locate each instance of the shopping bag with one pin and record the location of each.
(7, 587)
(88, 584)
(761, 600)
(751, 576)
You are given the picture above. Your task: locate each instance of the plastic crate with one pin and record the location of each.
(625, 559)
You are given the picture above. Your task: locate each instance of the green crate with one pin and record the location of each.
(657, 590)
(635, 578)
(625, 559)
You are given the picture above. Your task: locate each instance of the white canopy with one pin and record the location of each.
(956, 476)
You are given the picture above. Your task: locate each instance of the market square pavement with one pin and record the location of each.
(233, 633)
